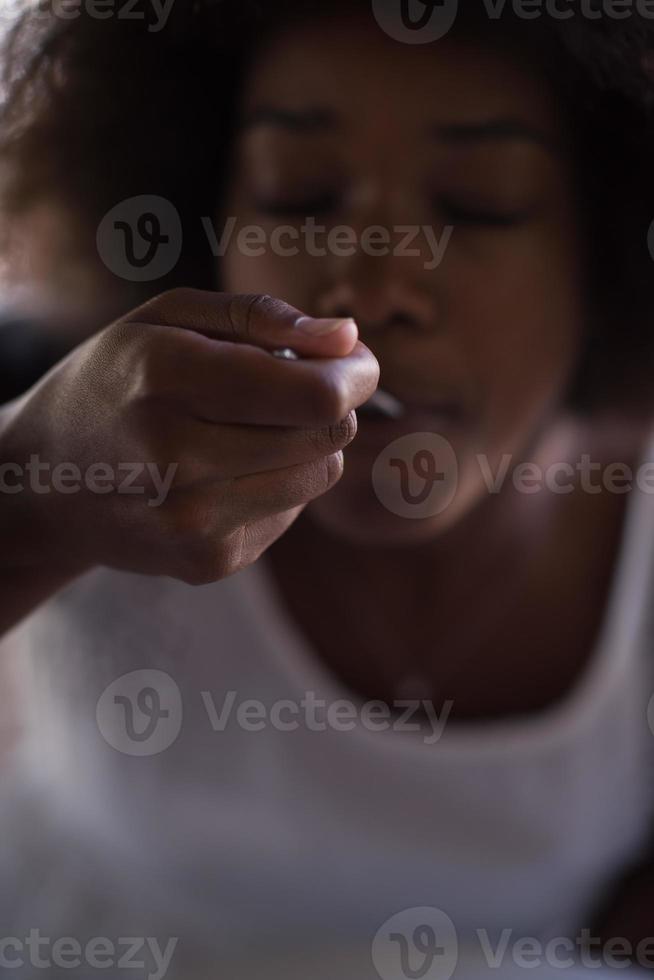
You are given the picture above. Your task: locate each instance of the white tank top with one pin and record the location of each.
(239, 824)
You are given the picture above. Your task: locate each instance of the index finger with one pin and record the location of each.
(260, 320)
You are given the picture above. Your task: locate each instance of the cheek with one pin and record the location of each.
(522, 327)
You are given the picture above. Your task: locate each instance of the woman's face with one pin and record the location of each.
(445, 170)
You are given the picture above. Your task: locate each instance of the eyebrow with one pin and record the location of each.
(315, 119)
(500, 130)
(295, 120)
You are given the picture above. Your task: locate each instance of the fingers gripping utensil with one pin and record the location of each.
(380, 405)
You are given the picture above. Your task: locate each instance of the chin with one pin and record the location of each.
(405, 483)
(356, 516)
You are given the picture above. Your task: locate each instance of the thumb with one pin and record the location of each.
(261, 321)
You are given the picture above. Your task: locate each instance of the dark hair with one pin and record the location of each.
(96, 111)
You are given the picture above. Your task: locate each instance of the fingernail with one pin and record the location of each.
(322, 327)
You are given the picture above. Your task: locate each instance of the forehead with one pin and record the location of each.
(369, 82)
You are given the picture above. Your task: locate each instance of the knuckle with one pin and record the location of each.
(321, 476)
(334, 466)
(179, 294)
(181, 521)
(331, 400)
(170, 300)
(335, 436)
(196, 573)
(242, 311)
(204, 553)
(190, 472)
(203, 570)
(208, 559)
(141, 431)
(345, 430)
(248, 314)
(145, 368)
(245, 547)
(121, 344)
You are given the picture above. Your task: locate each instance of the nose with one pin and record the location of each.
(379, 300)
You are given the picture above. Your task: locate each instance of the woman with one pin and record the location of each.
(276, 808)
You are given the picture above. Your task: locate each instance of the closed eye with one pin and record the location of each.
(458, 213)
(298, 207)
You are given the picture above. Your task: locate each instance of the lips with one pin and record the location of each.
(377, 426)
(385, 405)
